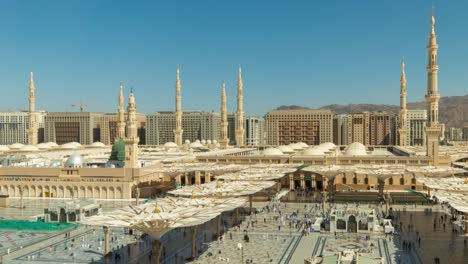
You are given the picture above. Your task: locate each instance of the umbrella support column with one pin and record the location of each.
(156, 246)
(386, 206)
(381, 188)
(331, 183)
(324, 197)
(237, 216)
(218, 226)
(466, 223)
(429, 192)
(194, 235)
(106, 241)
(250, 202)
(21, 197)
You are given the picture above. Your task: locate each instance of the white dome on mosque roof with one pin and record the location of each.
(52, 144)
(313, 151)
(355, 149)
(215, 141)
(43, 146)
(198, 141)
(97, 144)
(272, 152)
(328, 145)
(16, 146)
(286, 149)
(29, 148)
(71, 145)
(302, 144)
(170, 145)
(196, 145)
(208, 141)
(203, 141)
(74, 161)
(187, 141)
(296, 146)
(4, 148)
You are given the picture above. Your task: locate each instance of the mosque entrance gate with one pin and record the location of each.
(352, 224)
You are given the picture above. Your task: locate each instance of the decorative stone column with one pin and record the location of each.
(197, 177)
(178, 179)
(137, 195)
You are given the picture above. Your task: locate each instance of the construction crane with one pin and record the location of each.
(80, 105)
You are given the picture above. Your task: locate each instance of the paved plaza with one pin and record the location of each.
(271, 239)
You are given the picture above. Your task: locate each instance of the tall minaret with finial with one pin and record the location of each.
(223, 137)
(240, 110)
(178, 131)
(132, 139)
(121, 116)
(403, 129)
(33, 126)
(432, 96)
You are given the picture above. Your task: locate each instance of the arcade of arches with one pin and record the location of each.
(348, 181)
(62, 190)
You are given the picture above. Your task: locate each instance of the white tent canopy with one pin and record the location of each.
(159, 216)
(222, 189)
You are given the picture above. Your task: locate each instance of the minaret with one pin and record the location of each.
(432, 97)
(33, 126)
(223, 137)
(403, 129)
(178, 111)
(121, 116)
(240, 111)
(131, 141)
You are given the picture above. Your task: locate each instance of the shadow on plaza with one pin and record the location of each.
(435, 242)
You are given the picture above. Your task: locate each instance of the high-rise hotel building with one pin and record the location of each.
(14, 127)
(306, 125)
(197, 125)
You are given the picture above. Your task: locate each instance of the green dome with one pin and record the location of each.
(118, 151)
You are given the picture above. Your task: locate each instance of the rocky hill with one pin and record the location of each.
(453, 110)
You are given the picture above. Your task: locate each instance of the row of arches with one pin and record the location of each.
(61, 191)
(364, 179)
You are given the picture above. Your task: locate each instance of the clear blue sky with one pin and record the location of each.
(309, 53)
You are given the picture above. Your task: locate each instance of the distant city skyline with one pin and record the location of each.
(308, 54)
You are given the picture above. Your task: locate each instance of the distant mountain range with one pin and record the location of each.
(453, 110)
